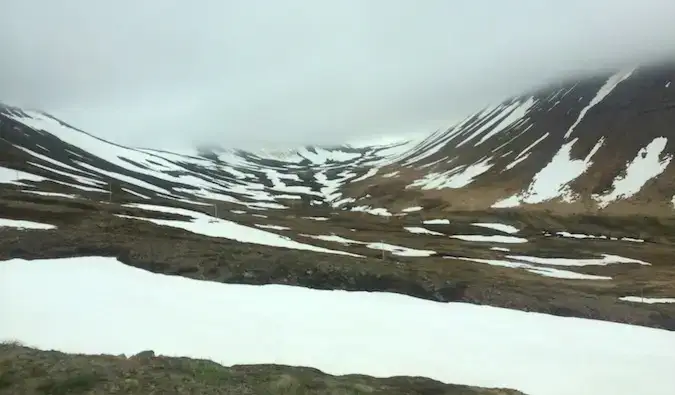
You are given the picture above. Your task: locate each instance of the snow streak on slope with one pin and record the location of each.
(47, 301)
(605, 90)
(552, 181)
(646, 165)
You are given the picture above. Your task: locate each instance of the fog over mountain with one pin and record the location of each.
(168, 74)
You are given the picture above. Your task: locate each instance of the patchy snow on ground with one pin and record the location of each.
(639, 299)
(374, 211)
(21, 224)
(457, 177)
(54, 194)
(491, 239)
(215, 227)
(48, 301)
(543, 271)
(400, 251)
(436, 222)
(419, 230)
(500, 227)
(273, 227)
(585, 236)
(394, 249)
(412, 209)
(606, 259)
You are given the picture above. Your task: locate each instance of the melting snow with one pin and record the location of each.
(638, 299)
(500, 227)
(47, 301)
(11, 176)
(274, 227)
(606, 259)
(394, 249)
(14, 223)
(552, 181)
(542, 271)
(585, 236)
(216, 227)
(605, 90)
(374, 211)
(457, 177)
(491, 239)
(437, 222)
(412, 209)
(646, 165)
(55, 194)
(516, 115)
(419, 230)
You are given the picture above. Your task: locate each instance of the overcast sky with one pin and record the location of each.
(272, 73)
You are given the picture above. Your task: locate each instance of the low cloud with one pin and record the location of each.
(173, 74)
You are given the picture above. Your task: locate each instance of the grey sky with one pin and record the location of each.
(272, 73)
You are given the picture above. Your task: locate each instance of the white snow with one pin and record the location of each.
(646, 165)
(412, 209)
(273, 227)
(21, 224)
(542, 271)
(371, 172)
(54, 194)
(400, 251)
(132, 192)
(516, 115)
(527, 149)
(552, 181)
(420, 230)
(457, 177)
(491, 239)
(639, 299)
(515, 163)
(606, 259)
(374, 211)
(333, 238)
(317, 218)
(47, 302)
(216, 227)
(394, 249)
(585, 236)
(500, 227)
(509, 202)
(11, 176)
(436, 222)
(602, 93)
(503, 249)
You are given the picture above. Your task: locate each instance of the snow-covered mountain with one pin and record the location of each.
(600, 144)
(559, 201)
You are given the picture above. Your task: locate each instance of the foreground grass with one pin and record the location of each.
(29, 371)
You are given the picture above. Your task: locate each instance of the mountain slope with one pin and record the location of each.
(558, 201)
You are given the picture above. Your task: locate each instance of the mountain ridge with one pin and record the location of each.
(527, 209)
